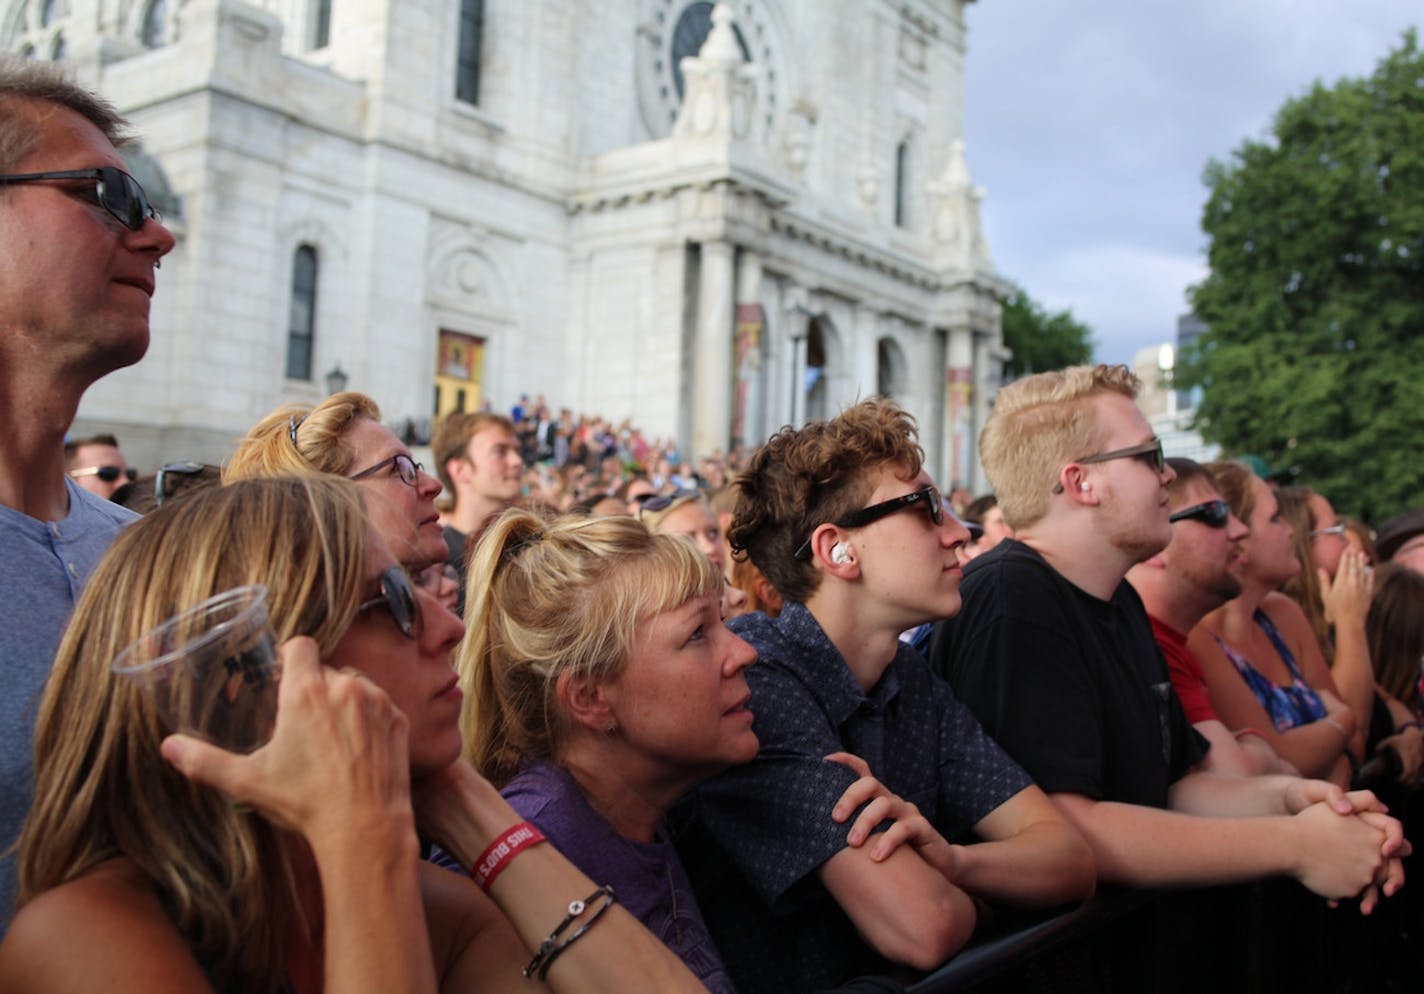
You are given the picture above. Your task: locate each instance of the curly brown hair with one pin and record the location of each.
(804, 477)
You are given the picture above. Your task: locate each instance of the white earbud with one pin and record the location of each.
(840, 554)
(1082, 486)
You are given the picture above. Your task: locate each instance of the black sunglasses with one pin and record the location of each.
(401, 465)
(653, 503)
(106, 473)
(1213, 513)
(161, 482)
(1149, 452)
(398, 597)
(929, 497)
(117, 192)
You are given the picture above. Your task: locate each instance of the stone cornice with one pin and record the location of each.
(662, 169)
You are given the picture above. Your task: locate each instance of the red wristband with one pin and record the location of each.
(503, 849)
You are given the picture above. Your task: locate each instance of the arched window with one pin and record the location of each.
(58, 50)
(321, 24)
(47, 12)
(902, 184)
(890, 368)
(467, 65)
(154, 33)
(301, 321)
(815, 385)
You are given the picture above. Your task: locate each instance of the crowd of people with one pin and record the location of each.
(600, 719)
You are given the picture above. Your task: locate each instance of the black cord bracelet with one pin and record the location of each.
(550, 948)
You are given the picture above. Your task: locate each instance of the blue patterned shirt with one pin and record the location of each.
(753, 837)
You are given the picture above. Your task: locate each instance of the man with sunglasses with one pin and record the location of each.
(1054, 654)
(97, 464)
(76, 275)
(1195, 574)
(843, 520)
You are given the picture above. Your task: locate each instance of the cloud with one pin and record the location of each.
(1131, 296)
(1090, 126)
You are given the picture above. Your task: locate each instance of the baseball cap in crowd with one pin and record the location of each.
(1398, 530)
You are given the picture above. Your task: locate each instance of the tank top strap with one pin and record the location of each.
(1273, 633)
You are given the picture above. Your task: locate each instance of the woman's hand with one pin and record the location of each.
(337, 760)
(459, 810)
(1347, 596)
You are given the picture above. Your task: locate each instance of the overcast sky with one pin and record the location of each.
(1089, 125)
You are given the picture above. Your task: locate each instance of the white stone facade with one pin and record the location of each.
(798, 231)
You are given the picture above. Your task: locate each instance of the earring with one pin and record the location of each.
(611, 727)
(840, 554)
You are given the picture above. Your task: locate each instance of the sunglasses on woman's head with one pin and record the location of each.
(163, 481)
(1213, 513)
(653, 503)
(398, 597)
(115, 190)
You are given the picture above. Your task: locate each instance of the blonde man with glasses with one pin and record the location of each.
(76, 276)
(1054, 654)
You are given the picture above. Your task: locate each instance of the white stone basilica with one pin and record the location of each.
(714, 221)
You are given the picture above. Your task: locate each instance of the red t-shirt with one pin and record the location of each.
(1186, 672)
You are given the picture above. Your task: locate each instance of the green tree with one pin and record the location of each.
(1041, 341)
(1314, 300)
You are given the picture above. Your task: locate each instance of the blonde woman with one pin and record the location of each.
(138, 872)
(1259, 655)
(343, 436)
(602, 686)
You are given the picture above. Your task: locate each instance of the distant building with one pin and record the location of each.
(713, 223)
(1168, 416)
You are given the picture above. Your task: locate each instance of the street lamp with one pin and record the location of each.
(336, 379)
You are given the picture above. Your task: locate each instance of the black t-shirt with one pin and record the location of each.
(1073, 687)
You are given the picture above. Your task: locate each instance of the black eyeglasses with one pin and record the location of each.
(401, 465)
(116, 191)
(1149, 452)
(1213, 513)
(161, 481)
(106, 473)
(398, 597)
(929, 497)
(653, 503)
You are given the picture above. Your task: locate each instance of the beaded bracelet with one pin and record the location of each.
(503, 849)
(550, 949)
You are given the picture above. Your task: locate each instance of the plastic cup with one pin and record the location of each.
(212, 670)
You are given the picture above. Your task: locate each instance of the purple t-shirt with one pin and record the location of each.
(647, 876)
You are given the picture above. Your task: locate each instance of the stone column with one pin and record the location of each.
(959, 434)
(749, 408)
(712, 352)
(865, 353)
(798, 323)
(989, 358)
